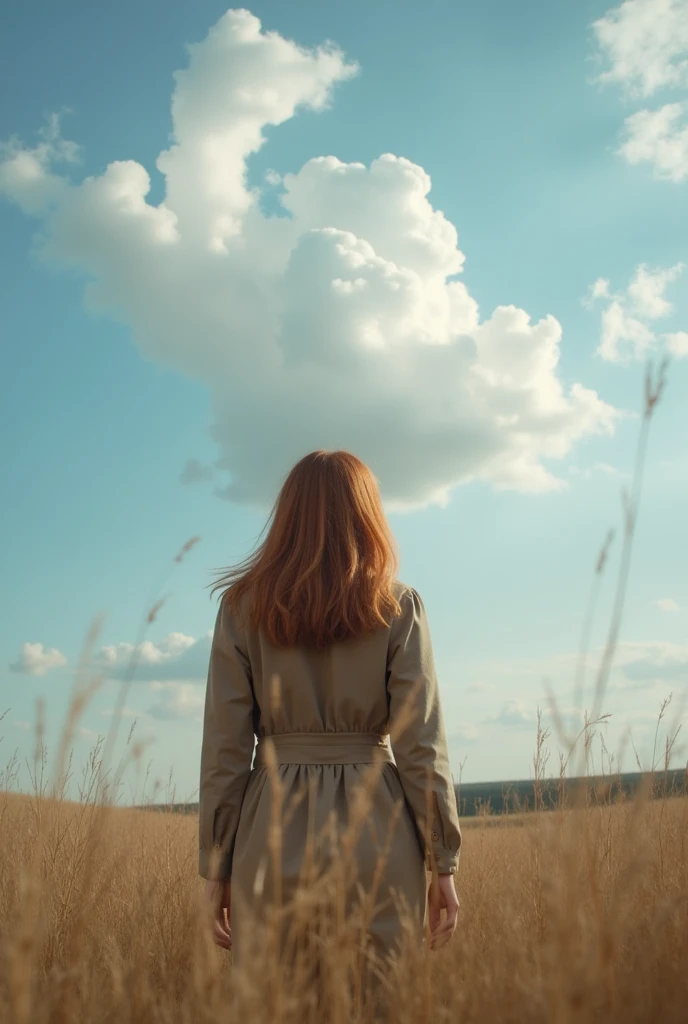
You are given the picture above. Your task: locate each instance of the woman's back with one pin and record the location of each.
(351, 779)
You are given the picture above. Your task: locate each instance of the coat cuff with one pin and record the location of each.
(444, 861)
(440, 855)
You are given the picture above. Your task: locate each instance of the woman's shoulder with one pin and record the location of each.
(236, 610)
(408, 597)
(399, 588)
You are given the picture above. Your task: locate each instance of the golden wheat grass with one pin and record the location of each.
(582, 916)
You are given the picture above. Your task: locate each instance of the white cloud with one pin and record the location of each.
(618, 328)
(646, 43)
(666, 604)
(178, 701)
(149, 653)
(514, 713)
(658, 137)
(176, 656)
(677, 343)
(646, 291)
(648, 664)
(338, 325)
(599, 290)
(26, 174)
(239, 81)
(37, 660)
(626, 330)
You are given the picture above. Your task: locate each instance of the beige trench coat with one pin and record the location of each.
(336, 710)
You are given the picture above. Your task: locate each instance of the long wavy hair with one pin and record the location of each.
(324, 572)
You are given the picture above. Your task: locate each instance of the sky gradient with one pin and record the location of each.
(445, 236)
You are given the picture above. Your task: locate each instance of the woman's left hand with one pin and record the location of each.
(217, 894)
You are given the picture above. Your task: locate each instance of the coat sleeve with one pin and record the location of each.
(227, 747)
(420, 751)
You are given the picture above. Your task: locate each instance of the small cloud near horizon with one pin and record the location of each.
(38, 660)
(512, 713)
(652, 664)
(176, 657)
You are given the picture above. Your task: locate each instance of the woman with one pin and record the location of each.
(318, 615)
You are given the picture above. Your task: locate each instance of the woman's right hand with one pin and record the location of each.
(442, 896)
(218, 895)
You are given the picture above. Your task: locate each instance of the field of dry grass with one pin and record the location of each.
(583, 916)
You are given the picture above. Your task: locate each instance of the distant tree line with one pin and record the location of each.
(476, 798)
(485, 798)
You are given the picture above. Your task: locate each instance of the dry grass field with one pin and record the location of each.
(582, 916)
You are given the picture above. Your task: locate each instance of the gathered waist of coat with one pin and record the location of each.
(325, 748)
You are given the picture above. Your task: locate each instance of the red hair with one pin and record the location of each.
(324, 572)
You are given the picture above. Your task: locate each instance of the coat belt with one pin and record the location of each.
(325, 748)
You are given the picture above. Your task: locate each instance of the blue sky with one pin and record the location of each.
(172, 346)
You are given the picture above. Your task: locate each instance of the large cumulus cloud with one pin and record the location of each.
(339, 323)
